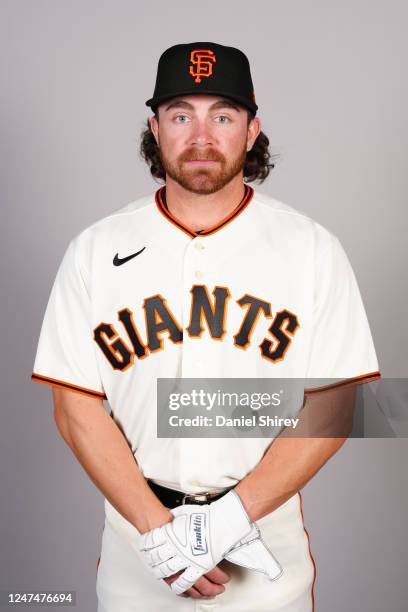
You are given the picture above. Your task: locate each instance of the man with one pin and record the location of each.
(206, 277)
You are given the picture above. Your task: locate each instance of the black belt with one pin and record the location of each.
(172, 498)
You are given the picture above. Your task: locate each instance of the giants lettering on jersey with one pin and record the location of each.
(159, 319)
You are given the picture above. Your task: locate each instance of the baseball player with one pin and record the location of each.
(205, 277)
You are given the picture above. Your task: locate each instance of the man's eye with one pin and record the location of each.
(181, 118)
(222, 119)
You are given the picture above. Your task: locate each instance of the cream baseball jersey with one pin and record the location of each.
(267, 292)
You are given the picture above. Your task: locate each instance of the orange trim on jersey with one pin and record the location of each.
(347, 382)
(64, 385)
(249, 192)
(310, 552)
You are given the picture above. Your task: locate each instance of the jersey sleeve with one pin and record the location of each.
(342, 347)
(66, 355)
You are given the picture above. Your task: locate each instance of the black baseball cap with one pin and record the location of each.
(204, 68)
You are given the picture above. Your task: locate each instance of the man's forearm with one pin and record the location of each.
(294, 457)
(103, 452)
(286, 467)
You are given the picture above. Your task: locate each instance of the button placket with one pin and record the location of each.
(192, 460)
(199, 247)
(193, 273)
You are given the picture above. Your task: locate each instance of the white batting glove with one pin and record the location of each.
(195, 540)
(252, 552)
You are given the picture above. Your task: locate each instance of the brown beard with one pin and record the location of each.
(204, 180)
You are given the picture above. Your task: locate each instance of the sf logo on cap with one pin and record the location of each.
(203, 60)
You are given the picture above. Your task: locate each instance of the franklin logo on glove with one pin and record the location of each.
(197, 541)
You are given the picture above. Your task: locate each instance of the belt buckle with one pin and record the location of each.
(200, 497)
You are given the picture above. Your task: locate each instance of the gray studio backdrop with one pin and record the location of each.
(330, 80)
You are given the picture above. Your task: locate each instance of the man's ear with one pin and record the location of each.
(254, 129)
(154, 126)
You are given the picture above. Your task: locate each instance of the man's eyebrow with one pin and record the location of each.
(217, 105)
(179, 104)
(225, 104)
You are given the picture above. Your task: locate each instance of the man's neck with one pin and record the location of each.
(200, 212)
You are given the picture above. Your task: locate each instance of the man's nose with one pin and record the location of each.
(201, 134)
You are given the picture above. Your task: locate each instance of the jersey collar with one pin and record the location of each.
(160, 198)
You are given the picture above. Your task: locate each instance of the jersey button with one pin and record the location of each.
(199, 246)
(199, 274)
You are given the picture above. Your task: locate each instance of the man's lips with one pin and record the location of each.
(201, 161)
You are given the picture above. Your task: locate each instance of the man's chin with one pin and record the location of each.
(202, 184)
(204, 189)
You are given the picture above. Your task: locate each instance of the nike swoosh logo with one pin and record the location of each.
(118, 262)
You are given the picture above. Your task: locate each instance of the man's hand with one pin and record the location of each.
(210, 584)
(196, 540)
(200, 536)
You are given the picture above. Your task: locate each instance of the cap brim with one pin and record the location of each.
(155, 102)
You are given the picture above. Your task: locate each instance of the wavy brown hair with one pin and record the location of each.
(257, 166)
